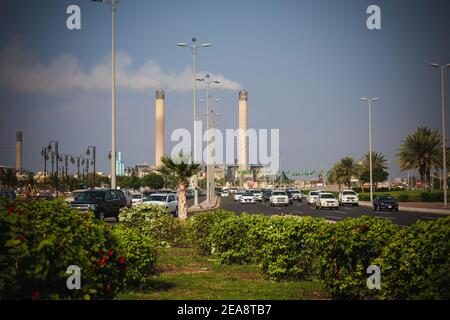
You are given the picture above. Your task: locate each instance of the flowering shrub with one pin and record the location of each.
(138, 253)
(199, 228)
(155, 222)
(416, 262)
(349, 248)
(39, 240)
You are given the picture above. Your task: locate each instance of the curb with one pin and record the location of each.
(215, 206)
(409, 209)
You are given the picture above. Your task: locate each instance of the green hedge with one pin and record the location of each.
(39, 240)
(416, 262)
(199, 228)
(155, 222)
(350, 247)
(287, 247)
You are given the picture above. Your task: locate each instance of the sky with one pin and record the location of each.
(305, 65)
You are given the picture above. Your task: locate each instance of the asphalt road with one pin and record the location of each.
(405, 218)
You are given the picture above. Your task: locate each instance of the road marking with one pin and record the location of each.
(298, 212)
(386, 218)
(342, 212)
(334, 217)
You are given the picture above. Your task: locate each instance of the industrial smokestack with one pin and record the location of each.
(19, 152)
(159, 144)
(243, 127)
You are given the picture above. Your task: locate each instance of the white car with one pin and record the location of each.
(258, 195)
(233, 190)
(326, 200)
(279, 197)
(224, 193)
(297, 195)
(136, 198)
(311, 197)
(238, 195)
(348, 197)
(167, 200)
(247, 197)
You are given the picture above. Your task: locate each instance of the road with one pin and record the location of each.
(405, 218)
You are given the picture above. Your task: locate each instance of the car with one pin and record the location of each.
(279, 197)
(136, 198)
(248, 197)
(8, 194)
(74, 194)
(296, 195)
(104, 203)
(289, 194)
(348, 197)
(311, 197)
(224, 193)
(167, 200)
(237, 196)
(128, 197)
(326, 200)
(385, 202)
(233, 190)
(258, 195)
(266, 195)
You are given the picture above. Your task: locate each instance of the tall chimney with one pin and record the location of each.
(19, 151)
(159, 144)
(243, 127)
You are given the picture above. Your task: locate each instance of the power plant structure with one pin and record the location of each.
(19, 152)
(159, 125)
(243, 133)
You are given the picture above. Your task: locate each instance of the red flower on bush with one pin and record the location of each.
(35, 295)
(11, 210)
(110, 252)
(363, 228)
(21, 237)
(102, 261)
(121, 260)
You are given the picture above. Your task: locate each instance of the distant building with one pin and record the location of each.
(143, 169)
(120, 165)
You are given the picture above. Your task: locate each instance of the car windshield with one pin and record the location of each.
(279, 193)
(313, 193)
(136, 196)
(156, 198)
(248, 194)
(384, 198)
(348, 193)
(90, 196)
(326, 196)
(295, 192)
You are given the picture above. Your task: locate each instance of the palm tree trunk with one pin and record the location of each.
(182, 203)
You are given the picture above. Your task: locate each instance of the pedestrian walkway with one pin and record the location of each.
(427, 207)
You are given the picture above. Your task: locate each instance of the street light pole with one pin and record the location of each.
(444, 156)
(194, 47)
(113, 4)
(209, 169)
(370, 143)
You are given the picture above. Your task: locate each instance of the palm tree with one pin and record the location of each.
(379, 168)
(421, 150)
(181, 172)
(343, 171)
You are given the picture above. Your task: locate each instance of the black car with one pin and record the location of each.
(8, 194)
(104, 203)
(385, 202)
(290, 196)
(266, 195)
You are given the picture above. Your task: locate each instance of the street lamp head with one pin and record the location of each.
(364, 99)
(217, 82)
(181, 44)
(434, 65)
(200, 79)
(206, 45)
(375, 99)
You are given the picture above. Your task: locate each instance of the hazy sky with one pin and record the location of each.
(305, 65)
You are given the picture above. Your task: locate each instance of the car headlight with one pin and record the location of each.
(92, 207)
